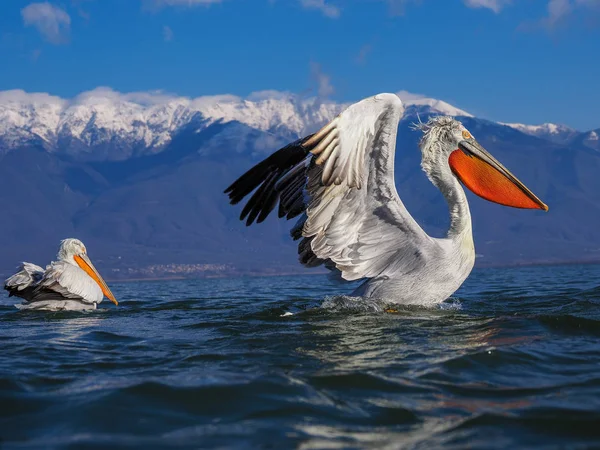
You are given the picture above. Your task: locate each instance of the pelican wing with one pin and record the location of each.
(65, 281)
(60, 281)
(27, 277)
(342, 180)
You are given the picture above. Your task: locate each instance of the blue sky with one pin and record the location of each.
(527, 61)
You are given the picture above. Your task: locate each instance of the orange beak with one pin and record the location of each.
(486, 177)
(84, 262)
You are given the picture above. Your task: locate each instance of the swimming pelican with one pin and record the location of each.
(71, 283)
(341, 179)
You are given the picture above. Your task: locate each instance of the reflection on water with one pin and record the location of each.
(428, 336)
(69, 331)
(510, 362)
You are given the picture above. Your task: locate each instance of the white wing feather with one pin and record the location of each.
(71, 282)
(354, 216)
(60, 281)
(28, 275)
(342, 180)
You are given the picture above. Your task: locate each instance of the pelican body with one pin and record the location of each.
(70, 283)
(340, 181)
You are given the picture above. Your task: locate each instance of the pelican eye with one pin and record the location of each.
(466, 134)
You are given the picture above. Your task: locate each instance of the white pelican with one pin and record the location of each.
(71, 283)
(341, 179)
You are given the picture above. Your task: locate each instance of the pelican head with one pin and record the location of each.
(448, 147)
(72, 251)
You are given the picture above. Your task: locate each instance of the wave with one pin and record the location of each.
(345, 303)
(570, 325)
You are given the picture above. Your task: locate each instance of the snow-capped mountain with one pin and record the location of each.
(588, 140)
(94, 167)
(103, 124)
(560, 134)
(90, 122)
(419, 103)
(106, 125)
(591, 139)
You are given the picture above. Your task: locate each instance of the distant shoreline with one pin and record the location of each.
(324, 272)
(232, 275)
(312, 272)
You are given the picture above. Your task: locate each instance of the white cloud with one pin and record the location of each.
(79, 6)
(167, 33)
(559, 10)
(494, 5)
(104, 95)
(322, 80)
(327, 9)
(159, 3)
(407, 97)
(269, 94)
(397, 6)
(107, 95)
(52, 22)
(20, 96)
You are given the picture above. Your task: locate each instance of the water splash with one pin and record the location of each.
(452, 304)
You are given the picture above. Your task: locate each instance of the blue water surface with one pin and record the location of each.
(511, 361)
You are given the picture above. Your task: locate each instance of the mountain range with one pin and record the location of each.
(139, 178)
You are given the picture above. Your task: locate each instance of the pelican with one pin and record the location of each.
(71, 283)
(341, 181)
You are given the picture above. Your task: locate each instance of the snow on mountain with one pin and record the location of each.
(591, 139)
(105, 124)
(592, 136)
(269, 110)
(25, 117)
(550, 131)
(436, 106)
(117, 126)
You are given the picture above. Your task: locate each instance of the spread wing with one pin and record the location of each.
(60, 281)
(341, 179)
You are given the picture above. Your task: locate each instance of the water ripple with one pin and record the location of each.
(511, 361)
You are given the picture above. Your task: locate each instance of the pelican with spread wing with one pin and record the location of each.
(341, 181)
(71, 283)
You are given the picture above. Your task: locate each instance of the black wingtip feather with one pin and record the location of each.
(268, 206)
(249, 181)
(264, 176)
(281, 211)
(255, 198)
(264, 200)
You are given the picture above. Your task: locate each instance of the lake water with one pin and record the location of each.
(512, 361)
